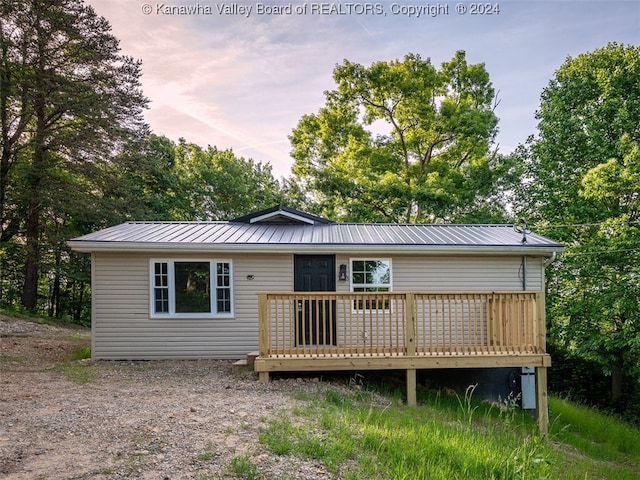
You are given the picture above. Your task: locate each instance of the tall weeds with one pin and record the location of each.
(444, 438)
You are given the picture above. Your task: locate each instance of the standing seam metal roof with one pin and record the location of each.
(233, 233)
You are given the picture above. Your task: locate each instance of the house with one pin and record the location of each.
(311, 294)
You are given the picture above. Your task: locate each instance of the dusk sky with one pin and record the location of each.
(236, 78)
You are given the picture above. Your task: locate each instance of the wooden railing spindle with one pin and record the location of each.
(376, 324)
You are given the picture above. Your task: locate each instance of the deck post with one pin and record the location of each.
(542, 405)
(412, 399)
(541, 341)
(263, 334)
(542, 402)
(410, 343)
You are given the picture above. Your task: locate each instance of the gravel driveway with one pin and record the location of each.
(141, 420)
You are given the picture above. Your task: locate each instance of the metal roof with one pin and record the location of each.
(338, 237)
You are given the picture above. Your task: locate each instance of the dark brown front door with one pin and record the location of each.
(316, 323)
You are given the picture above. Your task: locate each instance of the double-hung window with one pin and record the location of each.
(191, 288)
(370, 275)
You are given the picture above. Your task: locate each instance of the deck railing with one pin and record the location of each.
(331, 324)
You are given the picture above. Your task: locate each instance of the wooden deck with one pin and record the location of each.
(323, 331)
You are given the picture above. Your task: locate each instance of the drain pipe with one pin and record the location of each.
(524, 273)
(550, 260)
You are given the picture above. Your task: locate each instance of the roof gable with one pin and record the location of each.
(282, 215)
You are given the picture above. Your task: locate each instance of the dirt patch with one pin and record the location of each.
(144, 420)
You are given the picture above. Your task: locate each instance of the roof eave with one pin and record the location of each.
(537, 250)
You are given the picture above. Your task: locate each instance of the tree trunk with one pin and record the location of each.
(5, 156)
(30, 289)
(54, 296)
(617, 375)
(35, 178)
(78, 306)
(37, 173)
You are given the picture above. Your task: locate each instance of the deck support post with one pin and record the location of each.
(542, 401)
(263, 325)
(410, 345)
(263, 333)
(542, 405)
(412, 399)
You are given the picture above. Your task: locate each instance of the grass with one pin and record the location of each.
(75, 370)
(208, 454)
(78, 372)
(452, 438)
(356, 436)
(81, 353)
(13, 358)
(40, 318)
(242, 467)
(71, 367)
(593, 433)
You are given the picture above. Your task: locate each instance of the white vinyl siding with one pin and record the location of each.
(430, 273)
(123, 327)
(465, 274)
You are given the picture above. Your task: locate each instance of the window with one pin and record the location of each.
(161, 289)
(223, 287)
(191, 288)
(371, 276)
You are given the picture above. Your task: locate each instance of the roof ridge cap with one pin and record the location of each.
(170, 222)
(509, 225)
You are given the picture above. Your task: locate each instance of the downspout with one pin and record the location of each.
(550, 260)
(521, 227)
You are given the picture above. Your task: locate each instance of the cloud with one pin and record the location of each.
(243, 83)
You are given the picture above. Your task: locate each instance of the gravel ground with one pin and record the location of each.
(140, 420)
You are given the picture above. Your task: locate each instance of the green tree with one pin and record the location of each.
(581, 180)
(70, 103)
(216, 185)
(401, 141)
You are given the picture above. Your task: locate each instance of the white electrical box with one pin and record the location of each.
(528, 384)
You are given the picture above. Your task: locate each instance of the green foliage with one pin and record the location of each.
(466, 405)
(583, 381)
(242, 467)
(278, 436)
(76, 156)
(583, 172)
(82, 353)
(402, 141)
(163, 181)
(595, 434)
(79, 373)
(70, 107)
(449, 437)
(216, 185)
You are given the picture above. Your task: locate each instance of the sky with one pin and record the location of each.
(236, 75)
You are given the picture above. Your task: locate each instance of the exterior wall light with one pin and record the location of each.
(342, 276)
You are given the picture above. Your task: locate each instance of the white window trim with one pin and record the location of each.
(213, 277)
(364, 259)
(362, 285)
